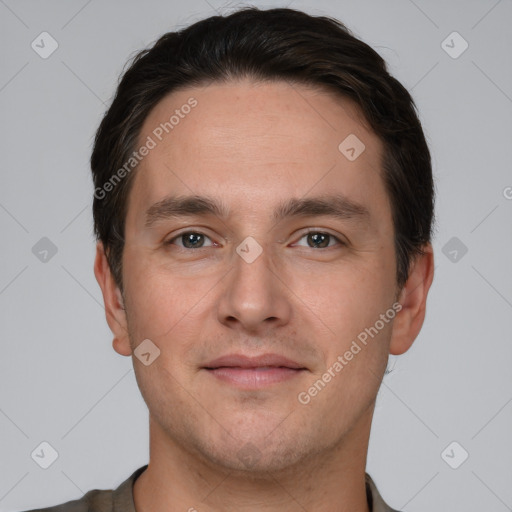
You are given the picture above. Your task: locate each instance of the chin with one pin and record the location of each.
(269, 450)
(251, 459)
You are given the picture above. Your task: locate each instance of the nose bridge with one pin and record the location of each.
(253, 296)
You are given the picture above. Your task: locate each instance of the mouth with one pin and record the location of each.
(254, 372)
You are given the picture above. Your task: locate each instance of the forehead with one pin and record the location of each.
(270, 140)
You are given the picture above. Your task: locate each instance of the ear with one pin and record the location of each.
(114, 304)
(413, 298)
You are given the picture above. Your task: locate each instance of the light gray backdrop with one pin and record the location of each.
(61, 381)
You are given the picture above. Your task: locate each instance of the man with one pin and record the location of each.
(263, 208)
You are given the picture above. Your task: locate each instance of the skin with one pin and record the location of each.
(253, 146)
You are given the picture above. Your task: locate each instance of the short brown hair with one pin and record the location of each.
(275, 44)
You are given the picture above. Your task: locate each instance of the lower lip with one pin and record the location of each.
(253, 378)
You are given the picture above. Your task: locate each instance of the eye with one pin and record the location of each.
(190, 240)
(320, 240)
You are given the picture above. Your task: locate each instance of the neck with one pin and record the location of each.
(178, 480)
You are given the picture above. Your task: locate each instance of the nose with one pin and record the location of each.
(254, 296)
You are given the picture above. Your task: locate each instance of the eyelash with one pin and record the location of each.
(310, 231)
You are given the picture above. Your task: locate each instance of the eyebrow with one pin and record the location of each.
(337, 206)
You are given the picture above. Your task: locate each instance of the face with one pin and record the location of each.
(252, 237)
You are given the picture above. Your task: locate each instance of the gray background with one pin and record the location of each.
(61, 381)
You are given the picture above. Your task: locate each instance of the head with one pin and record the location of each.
(287, 129)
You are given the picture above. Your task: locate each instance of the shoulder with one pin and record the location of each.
(101, 500)
(93, 501)
(375, 500)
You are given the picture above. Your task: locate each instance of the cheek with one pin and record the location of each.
(349, 298)
(349, 303)
(355, 348)
(155, 302)
(168, 308)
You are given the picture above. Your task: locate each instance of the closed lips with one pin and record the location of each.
(265, 361)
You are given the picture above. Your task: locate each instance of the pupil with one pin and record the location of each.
(191, 238)
(318, 239)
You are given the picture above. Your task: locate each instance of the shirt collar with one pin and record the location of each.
(375, 501)
(123, 495)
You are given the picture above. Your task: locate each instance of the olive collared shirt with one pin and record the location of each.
(121, 499)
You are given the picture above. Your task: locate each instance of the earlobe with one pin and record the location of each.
(114, 303)
(408, 322)
(122, 346)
